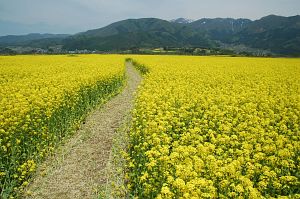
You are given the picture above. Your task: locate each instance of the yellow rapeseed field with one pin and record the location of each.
(41, 99)
(216, 127)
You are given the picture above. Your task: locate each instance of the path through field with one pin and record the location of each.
(77, 170)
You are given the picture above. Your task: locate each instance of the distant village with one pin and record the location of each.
(52, 50)
(163, 50)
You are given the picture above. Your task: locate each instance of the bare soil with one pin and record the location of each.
(77, 170)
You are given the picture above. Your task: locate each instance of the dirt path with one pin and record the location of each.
(77, 170)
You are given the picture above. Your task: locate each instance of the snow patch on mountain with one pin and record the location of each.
(182, 20)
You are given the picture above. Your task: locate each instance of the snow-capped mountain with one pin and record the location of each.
(182, 20)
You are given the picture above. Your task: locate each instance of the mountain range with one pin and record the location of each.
(277, 34)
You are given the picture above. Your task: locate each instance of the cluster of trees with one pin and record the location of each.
(7, 51)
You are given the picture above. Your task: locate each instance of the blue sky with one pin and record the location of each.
(71, 16)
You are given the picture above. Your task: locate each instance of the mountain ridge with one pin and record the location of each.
(21, 39)
(144, 32)
(277, 34)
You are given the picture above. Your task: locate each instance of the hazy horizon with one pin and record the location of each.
(72, 16)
